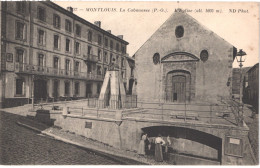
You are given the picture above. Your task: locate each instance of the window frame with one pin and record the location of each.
(24, 35)
(77, 49)
(68, 51)
(58, 48)
(43, 37)
(68, 25)
(54, 21)
(78, 27)
(90, 34)
(38, 13)
(22, 87)
(23, 7)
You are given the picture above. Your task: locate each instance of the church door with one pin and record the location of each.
(179, 88)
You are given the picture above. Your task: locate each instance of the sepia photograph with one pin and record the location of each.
(129, 83)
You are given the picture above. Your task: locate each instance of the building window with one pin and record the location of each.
(122, 73)
(19, 55)
(122, 62)
(89, 50)
(67, 88)
(40, 60)
(19, 86)
(105, 56)
(156, 58)
(21, 7)
(41, 37)
(89, 68)
(41, 14)
(123, 50)
(105, 70)
(56, 62)
(76, 66)
(77, 88)
(67, 66)
(111, 58)
(90, 36)
(99, 54)
(117, 60)
(111, 45)
(68, 25)
(99, 70)
(99, 39)
(98, 88)
(20, 31)
(56, 21)
(56, 41)
(77, 47)
(67, 45)
(117, 47)
(78, 30)
(106, 42)
(179, 31)
(204, 55)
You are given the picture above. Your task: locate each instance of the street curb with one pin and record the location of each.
(94, 149)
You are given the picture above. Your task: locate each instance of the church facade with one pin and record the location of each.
(183, 61)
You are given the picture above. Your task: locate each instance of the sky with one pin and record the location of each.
(236, 22)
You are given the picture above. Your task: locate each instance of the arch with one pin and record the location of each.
(187, 57)
(208, 146)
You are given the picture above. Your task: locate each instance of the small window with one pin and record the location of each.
(56, 21)
(41, 37)
(19, 86)
(99, 54)
(68, 25)
(89, 67)
(105, 56)
(20, 31)
(99, 70)
(41, 14)
(89, 50)
(111, 45)
(117, 47)
(78, 30)
(19, 55)
(77, 88)
(67, 88)
(21, 7)
(90, 36)
(111, 58)
(56, 41)
(179, 31)
(156, 58)
(40, 60)
(67, 45)
(77, 47)
(76, 67)
(56, 62)
(99, 39)
(123, 49)
(122, 62)
(204, 55)
(106, 42)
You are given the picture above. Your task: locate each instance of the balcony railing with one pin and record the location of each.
(90, 58)
(49, 71)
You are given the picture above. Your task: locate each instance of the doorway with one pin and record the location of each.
(40, 89)
(179, 88)
(55, 89)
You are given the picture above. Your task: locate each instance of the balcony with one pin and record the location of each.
(49, 71)
(90, 58)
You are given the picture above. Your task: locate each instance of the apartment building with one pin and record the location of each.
(48, 51)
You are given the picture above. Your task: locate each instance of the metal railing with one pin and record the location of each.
(205, 113)
(49, 71)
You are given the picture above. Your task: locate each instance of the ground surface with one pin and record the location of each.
(22, 146)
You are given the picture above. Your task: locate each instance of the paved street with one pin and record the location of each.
(22, 146)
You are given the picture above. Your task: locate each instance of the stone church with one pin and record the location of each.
(183, 61)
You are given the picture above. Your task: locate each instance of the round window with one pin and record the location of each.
(179, 31)
(204, 55)
(156, 58)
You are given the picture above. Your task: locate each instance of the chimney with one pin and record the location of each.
(70, 9)
(97, 23)
(120, 36)
(109, 31)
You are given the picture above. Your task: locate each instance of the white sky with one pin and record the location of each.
(239, 29)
